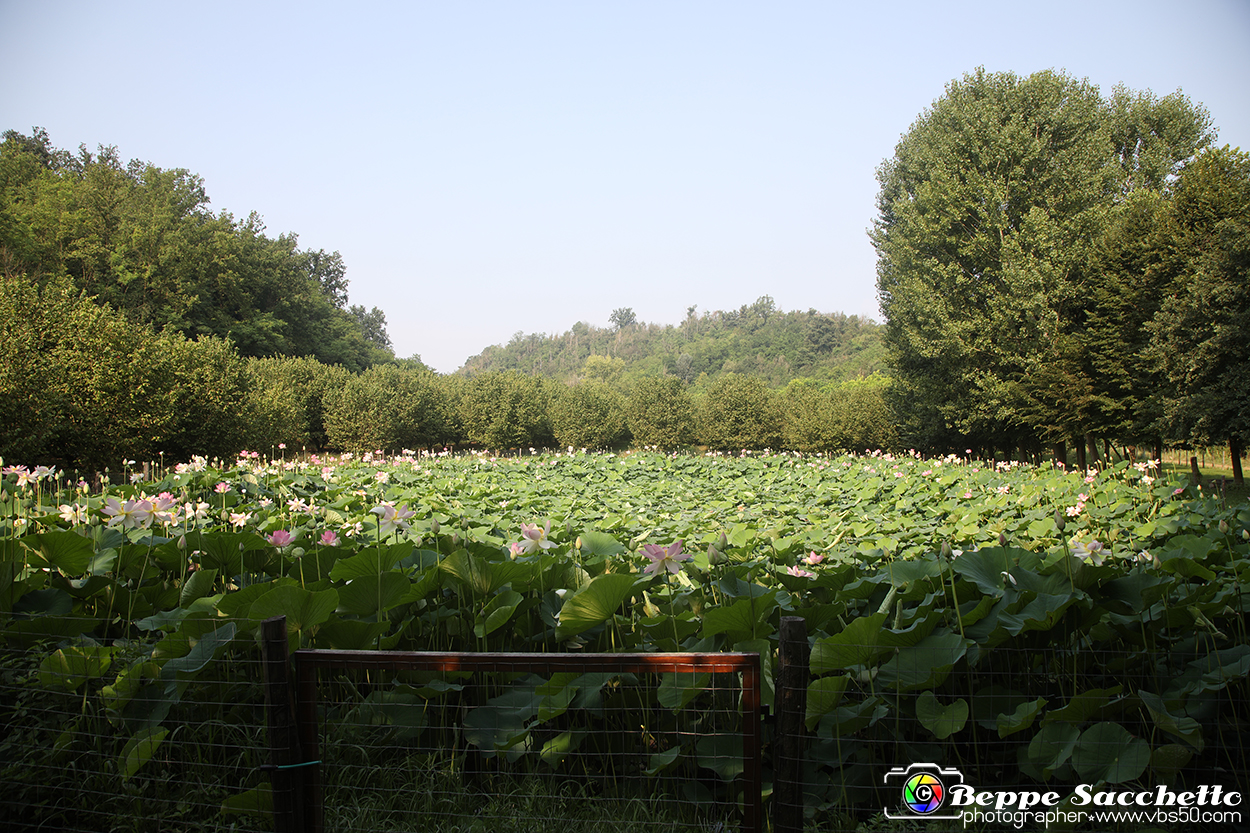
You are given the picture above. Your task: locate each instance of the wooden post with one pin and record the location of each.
(791, 700)
(285, 776)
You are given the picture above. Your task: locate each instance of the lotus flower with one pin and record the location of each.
(533, 539)
(663, 558)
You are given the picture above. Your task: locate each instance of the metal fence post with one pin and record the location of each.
(791, 700)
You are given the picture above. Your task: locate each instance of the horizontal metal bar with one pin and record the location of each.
(452, 661)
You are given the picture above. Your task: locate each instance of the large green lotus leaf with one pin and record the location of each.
(1040, 614)
(67, 551)
(368, 594)
(1019, 719)
(745, 616)
(200, 584)
(823, 696)
(70, 667)
(350, 634)
(985, 568)
(1185, 728)
(679, 688)
(942, 721)
(555, 750)
(302, 608)
(139, 750)
(909, 572)
(1108, 752)
(600, 543)
(257, 803)
(722, 754)
(368, 562)
(595, 603)
(1083, 706)
(497, 612)
(201, 653)
(924, 664)
(1052, 746)
(858, 644)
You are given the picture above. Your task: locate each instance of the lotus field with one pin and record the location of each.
(1027, 624)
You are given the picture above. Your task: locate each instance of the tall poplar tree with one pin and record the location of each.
(987, 216)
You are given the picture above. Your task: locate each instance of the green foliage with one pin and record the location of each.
(142, 240)
(385, 408)
(661, 414)
(505, 410)
(82, 386)
(739, 412)
(588, 415)
(986, 218)
(755, 340)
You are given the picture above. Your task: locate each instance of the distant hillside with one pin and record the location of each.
(755, 339)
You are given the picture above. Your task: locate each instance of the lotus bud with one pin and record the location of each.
(455, 539)
(182, 542)
(714, 556)
(434, 527)
(722, 543)
(1223, 527)
(946, 549)
(1245, 534)
(578, 544)
(1002, 539)
(1059, 521)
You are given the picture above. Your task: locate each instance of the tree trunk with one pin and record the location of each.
(1093, 449)
(1080, 454)
(1060, 453)
(1235, 450)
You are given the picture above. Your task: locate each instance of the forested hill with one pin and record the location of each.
(143, 241)
(754, 340)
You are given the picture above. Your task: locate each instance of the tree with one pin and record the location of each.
(1201, 333)
(372, 326)
(505, 410)
(986, 218)
(623, 317)
(588, 415)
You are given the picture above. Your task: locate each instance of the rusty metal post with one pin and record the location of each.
(791, 702)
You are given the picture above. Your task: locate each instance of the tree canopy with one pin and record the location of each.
(989, 217)
(143, 241)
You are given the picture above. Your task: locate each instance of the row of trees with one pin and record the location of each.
(756, 339)
(143, 241)
(82, 386)
(1055, 266)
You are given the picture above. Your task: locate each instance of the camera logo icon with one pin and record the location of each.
(924, 789)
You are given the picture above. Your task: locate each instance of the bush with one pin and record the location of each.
(386, 407)
(288, 400)
(588, 415)
(506, 409)
(739, 412)
(661, 413)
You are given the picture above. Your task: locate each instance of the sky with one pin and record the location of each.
(488, 168)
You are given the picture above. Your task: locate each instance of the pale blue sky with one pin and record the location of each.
(489, 167)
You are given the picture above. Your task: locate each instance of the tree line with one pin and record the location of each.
(143, 241)
(757, 339)
(83, 386)
(1058, 268)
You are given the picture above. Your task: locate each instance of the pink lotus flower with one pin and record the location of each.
(280, 538)
(813, 558)
(800, 573)
(222, 487)
(664, 558)
(240, 518)
(533, 539)
(329, 538)
(391, 518)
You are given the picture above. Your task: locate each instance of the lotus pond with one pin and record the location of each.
(1026, 624)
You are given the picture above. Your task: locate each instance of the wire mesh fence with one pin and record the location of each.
(531, 742)
(103, 731)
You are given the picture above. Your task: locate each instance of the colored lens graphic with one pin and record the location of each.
(923, 793)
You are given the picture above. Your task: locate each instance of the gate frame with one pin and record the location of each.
(301, 809)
